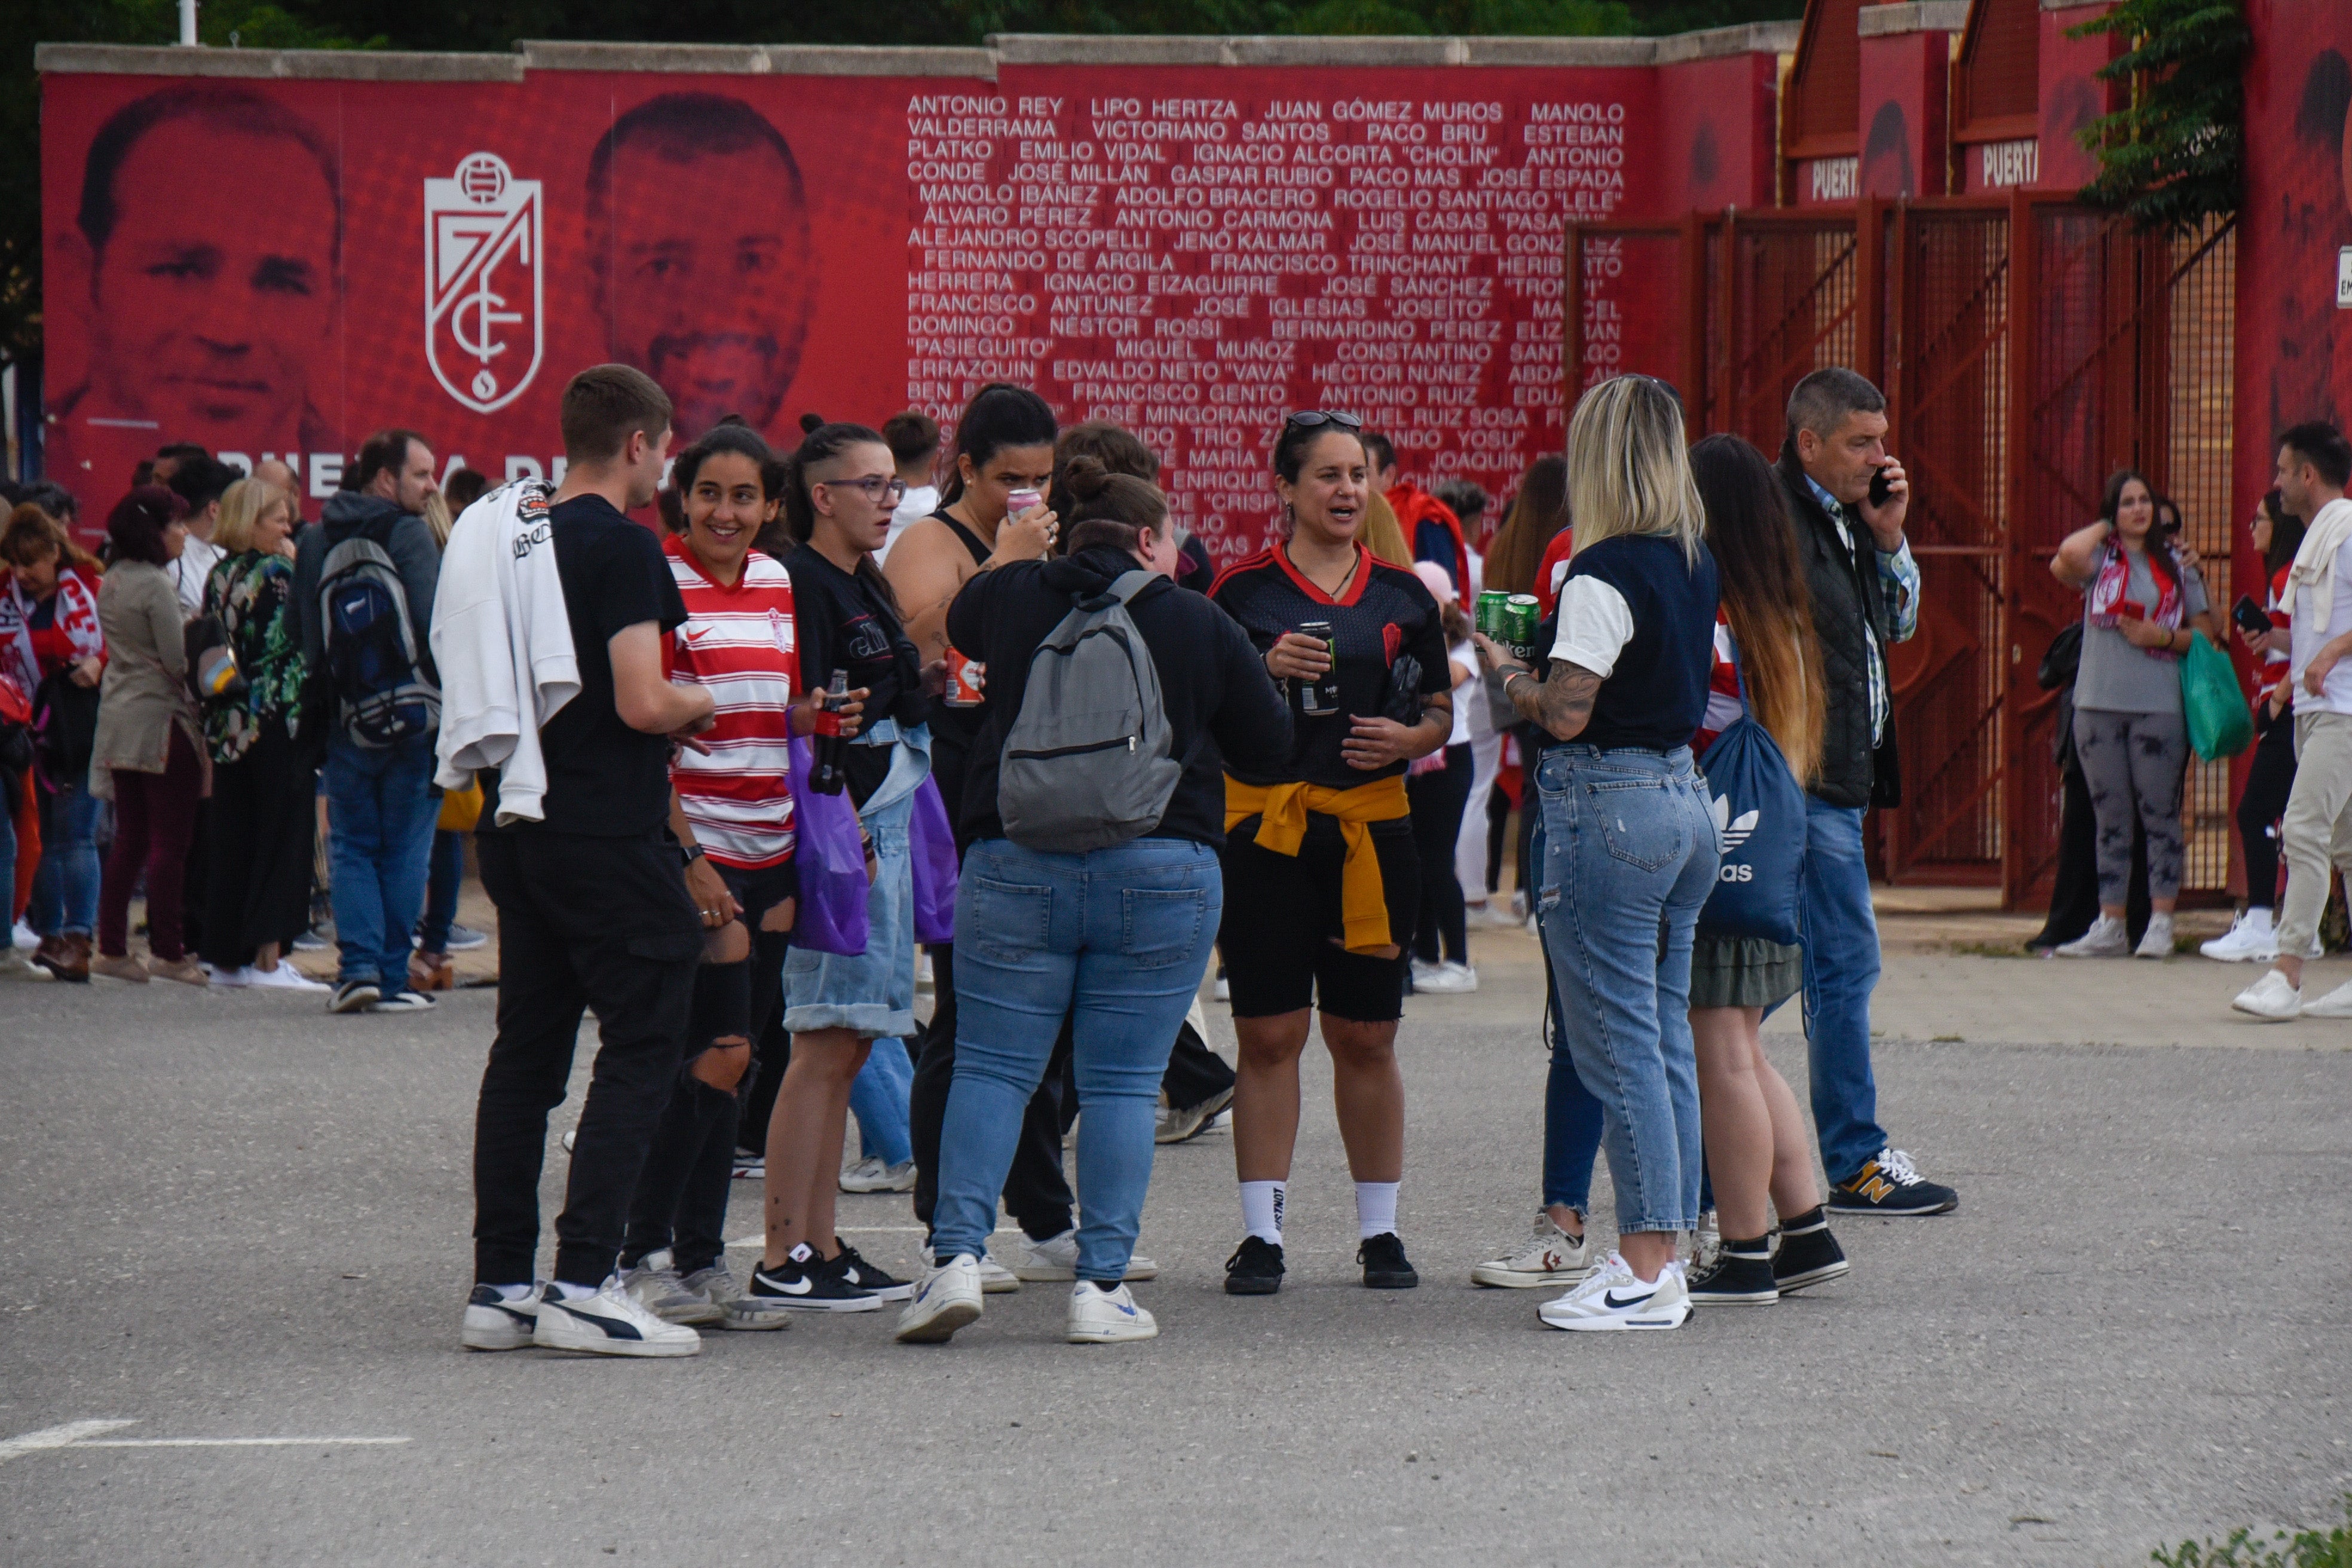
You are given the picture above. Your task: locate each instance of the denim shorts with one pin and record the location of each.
(871, 993)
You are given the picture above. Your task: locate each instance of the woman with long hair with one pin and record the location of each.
(2252, 936)
(2143, 601)
(52, 646)
(1539, 514)
(1323, 882)
(839, 491)
(1629, 853)
(265, 766)
(1758, 1152)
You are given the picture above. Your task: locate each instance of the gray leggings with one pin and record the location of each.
(2134, 761)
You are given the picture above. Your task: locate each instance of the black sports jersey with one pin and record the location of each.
(1385, 617)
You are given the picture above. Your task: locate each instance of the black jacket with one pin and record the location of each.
(1219, 699)
(1847, 595)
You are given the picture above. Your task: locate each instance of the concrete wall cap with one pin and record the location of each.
(283, 65)
(755, 60)
(1714, 43)
(1559, 51)
(1109, 49)
(1915, 17)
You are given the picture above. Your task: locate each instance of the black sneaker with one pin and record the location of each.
(354, 997)
(1385, 1266)
(1735, 1280)
(1255, 1269)
(1809, 1257)
(854, 1270)
(807, 1282)
(1891, 1185)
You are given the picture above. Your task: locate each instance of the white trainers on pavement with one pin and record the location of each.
(1613, 1298)
(2337, 1004)
(285, 977)
(2250, 938)
(610, 1323)
(496, 1321)
(946, 1298)
(1447, 979)
(1057, 1258)
(871, 1174)
(2105, 939)
(658, 1286)
(2271, 998)
(1099, 1317)
(2157, 941)
(995, 1279)
(1549, 1257)
(737, 1307)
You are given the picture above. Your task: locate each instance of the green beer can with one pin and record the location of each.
(1489, 617)
(1519, 624)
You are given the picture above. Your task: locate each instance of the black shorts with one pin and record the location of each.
(1282, 928)
(733, 1000)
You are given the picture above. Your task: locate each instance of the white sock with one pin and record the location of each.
(1375, 1208)
(567, 1292)
(513, 1292)
(1262, 1210)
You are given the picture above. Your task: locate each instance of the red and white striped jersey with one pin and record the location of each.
(737, 644)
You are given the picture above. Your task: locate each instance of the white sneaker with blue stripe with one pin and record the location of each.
(1100, 1316)
(497, 1321)
(610, 1323)
(1613, 1297)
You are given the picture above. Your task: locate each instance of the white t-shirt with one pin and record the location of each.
(1595, 624)
(198, 559)
(1465, 692)
(2310, 637)
(918, 503)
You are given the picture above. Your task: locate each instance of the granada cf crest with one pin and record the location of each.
(483, 319)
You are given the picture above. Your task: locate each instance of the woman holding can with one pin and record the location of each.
(1322, 882)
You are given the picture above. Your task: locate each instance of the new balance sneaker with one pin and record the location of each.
(2337, 1004)
(2273, 998)
(657, 1286)
(404, 1002)
(2105, 939)
(852, 1268)
(610, 1323)
(2250, 938)
(803, 1283)
(1176, 1125)
(1385, 1264)
(945, 1298)
(1549, 1257)
(354, 997)
(1613, 1298)
(1100, 1316)
(1808, 1255)
(1735, 1280)
(1057, 1258)
(1890, 1185)
(497, 1321)
(873, 1174)
(749, 1166)
(1255, 1269)
(737, 1307)
(2157, 941)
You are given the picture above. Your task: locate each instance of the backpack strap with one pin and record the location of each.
(1122, 590)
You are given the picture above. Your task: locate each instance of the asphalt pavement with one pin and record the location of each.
(228, 1216)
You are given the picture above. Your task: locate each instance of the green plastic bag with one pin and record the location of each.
(2221, 724)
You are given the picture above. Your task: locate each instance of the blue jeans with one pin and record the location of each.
(1840, 936)
(878, 1097)
(1629, 859)
(64, 890)
(444, 873)
(1571, 1116)
(380, 808)
(1116, 937)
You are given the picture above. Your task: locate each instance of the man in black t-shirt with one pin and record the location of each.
(592, 908)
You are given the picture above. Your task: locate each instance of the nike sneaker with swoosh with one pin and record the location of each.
(1100, 1316)
(946, 1298)
(610, 1323)
(1612, 1297)
(805, 1283)
(850, 1265)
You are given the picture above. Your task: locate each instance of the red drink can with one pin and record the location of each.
(966, 680)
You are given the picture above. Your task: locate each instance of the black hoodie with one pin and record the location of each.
(1211, 681)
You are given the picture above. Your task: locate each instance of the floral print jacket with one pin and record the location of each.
(253, 594)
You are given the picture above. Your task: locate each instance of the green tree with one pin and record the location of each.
(2169, 158)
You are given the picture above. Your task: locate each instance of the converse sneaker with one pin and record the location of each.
(2105, 939)
(655, 1285)
(497, 1320)
(609, 1322)
(2337, 1004)
(1549, 1257)
(1808, 1255)
(1100, 1316)
(803, 1283)
(2250, 938)
(1890, 1185)
(1385, 1264)
(1735, 1280)
(995, 1279)
(873, 1174)
(945, 1299)
(2157, 941)
(1613, 1298)
(1707, 1242)
(1255, 1269)
(854, 1269)
(2273, 998)
(1057, 1258)
(737, 1307)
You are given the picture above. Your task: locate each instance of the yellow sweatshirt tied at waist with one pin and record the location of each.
(1364, 896)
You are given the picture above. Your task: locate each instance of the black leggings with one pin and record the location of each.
(1439, 799)
(2270, 778)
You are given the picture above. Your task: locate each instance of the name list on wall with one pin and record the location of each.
(1193, 268)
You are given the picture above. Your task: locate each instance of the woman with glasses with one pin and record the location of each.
(1322, 884)
(839, 491)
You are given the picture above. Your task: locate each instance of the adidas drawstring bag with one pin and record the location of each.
(1760, 830)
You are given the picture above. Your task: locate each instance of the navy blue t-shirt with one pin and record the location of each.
(1644, 620)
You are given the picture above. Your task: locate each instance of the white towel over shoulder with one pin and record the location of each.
(503, 644)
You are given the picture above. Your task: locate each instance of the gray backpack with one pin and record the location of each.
(1087, 763)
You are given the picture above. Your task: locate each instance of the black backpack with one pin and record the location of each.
(380, 693)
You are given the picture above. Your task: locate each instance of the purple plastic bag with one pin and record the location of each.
(832, 857)
(931, 844)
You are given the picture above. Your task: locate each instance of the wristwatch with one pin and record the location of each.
(690, 853)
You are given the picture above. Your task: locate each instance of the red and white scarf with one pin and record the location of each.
(76, 617)
(2110, 588)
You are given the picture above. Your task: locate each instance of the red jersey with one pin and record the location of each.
(1723, 700)
(737, 644)
(1553, 572)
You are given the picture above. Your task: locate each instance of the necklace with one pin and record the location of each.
(1355, 558)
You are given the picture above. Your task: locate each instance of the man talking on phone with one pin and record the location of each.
(1848, 501)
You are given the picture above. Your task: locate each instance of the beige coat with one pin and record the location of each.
(145, 691)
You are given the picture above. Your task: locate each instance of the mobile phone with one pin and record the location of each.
(2132, 610)
(2250, 619)
(1882, 489)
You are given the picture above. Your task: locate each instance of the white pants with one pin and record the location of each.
(2317, 830)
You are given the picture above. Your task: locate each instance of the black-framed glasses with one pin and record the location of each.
(881, 492)
(1315, 418)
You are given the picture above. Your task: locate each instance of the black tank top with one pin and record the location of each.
(959, 727)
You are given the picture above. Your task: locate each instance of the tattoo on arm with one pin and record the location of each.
(1562, 705)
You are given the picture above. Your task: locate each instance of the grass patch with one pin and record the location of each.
(2304, 1549)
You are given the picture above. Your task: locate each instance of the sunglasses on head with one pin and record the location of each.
(1314, 418)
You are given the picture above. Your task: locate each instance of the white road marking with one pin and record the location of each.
(72, 1432)
(85, 1435)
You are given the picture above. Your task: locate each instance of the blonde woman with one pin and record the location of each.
(1629, 852)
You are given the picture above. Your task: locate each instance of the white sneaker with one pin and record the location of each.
(1057, 1258)
(1490, 916)
(285, 977)
(1448, 979)
(1107, 1317)
(610, 1323)
(1611, 1297)
(995, 1279)
(2250, 938)
(655, 1285)
(1172, 1126)
(24, 936)
(229, 978)
(737, 1307)
(1708, 1245)
(1222, 991)
(2105, 939)
(1549, 1257)
(2337, 1004)
(2157, 941)
(946, 1298)
(495, 1321)
(871, 1174)
(2271, 998)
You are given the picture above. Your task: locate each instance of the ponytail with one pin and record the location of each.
(1000, 415)
(799, 515)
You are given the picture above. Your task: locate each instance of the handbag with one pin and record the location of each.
(2219, 723)
(65, 728)
(1759, 828)
(213, 673)
(831, 850)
